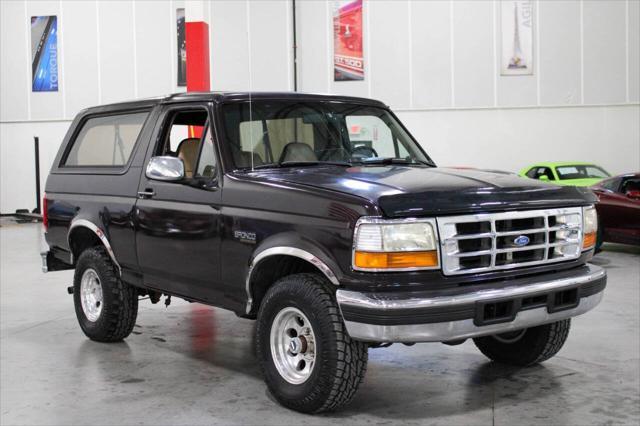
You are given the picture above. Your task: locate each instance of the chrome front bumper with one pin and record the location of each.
(432, 317)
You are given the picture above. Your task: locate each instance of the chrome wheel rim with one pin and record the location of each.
(510, 337)
(91, 295)
(293, 345)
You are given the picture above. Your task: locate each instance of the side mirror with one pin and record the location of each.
(635, 194)
(544, 178)
(166, 168)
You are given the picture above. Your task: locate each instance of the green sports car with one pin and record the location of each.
(567, 173)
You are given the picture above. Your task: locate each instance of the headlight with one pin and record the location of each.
(395, 245)
(589, 227)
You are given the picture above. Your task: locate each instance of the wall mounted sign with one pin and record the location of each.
(517, 37)
(348, 61)
(182, 48)
(44, 54)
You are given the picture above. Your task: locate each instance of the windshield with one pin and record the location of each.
(581, 172)
(280, 133)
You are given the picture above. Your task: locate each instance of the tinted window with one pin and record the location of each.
(630, 184)
(207, 162)
(106, 140)
(611, 185)
(580, 172)
(546, 171)
(538, 172)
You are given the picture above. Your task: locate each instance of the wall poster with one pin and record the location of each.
(182, 48)
(517, 37)
(348, 63)
(44, 53)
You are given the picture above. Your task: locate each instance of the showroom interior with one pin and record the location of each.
(516, 87)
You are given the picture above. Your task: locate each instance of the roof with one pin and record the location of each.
(625, 175)
(231, 97)
(563, 163)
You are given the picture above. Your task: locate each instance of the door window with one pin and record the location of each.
(612, 185)
(207, 164)
(188, 137)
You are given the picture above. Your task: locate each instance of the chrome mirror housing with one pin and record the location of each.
(165, 168)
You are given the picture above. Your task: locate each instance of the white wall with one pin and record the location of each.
(512, 138)
(444, 54)
(112, 51)
(434, 62)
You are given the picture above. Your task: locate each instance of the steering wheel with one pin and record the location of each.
(365, 152)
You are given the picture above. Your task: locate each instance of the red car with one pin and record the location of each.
(619, 209)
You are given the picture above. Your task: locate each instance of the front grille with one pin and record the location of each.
(486, 242)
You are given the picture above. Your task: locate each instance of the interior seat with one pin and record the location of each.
(246, 158)
(297, 151)
(188, 153)
(243, 158)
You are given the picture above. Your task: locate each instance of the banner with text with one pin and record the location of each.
(517, 37)
(348, 61)
(44, 54)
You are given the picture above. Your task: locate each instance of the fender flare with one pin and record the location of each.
(84, 223)
(286, 251)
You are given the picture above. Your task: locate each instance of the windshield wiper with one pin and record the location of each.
(301, 164)
(391, 160)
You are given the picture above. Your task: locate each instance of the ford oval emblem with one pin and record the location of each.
(521, 241)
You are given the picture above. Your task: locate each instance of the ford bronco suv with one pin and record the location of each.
(322, 218)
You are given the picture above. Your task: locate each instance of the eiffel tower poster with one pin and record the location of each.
(517, 37)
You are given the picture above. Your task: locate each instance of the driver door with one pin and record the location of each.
(178, 223)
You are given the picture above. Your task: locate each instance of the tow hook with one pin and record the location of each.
(70, 289)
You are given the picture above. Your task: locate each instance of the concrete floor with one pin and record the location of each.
(190, 364)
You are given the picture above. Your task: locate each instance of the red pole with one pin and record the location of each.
(197, 41)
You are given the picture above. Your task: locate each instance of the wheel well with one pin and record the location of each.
(82, 238)
(270, 270)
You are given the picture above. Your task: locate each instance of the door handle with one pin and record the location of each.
(147, 193)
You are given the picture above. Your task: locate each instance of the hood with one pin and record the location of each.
(402, 191)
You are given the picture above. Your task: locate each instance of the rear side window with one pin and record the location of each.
(538, 172)
(532, 173)
(106, 140)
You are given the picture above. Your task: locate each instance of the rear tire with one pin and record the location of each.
(105, 306)
(323, 367)
(526, 347)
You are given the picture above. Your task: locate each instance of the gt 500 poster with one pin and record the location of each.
(348, 63)
(44, 53)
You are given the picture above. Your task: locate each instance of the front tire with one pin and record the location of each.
(309, 361)
(106, 307)
(525, 347)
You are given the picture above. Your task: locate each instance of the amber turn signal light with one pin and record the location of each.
(589, 240)
(396, 260)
